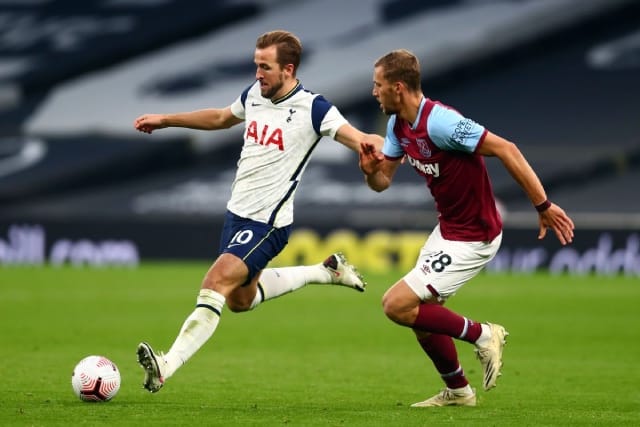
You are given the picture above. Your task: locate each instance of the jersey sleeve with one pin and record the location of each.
(449, 130)
(237, 107)
(391, 147)
(325, 117)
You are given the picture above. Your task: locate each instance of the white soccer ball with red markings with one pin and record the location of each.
(95, 379)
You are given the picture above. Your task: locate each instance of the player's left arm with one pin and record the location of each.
(352, 137)
(550, 214)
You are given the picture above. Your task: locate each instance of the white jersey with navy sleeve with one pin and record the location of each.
(279, 137)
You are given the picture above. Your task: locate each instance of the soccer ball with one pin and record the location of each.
(95, 379)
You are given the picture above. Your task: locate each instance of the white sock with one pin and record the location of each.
(196, 330)
(463, 391)
(275, 282)
(485, 335)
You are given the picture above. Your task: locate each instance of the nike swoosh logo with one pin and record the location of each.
(253, 104)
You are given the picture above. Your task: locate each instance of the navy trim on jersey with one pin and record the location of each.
(243, 96)
(319, 108)
(294, 184)
(304, 161)
(272, 218)
(289, 94)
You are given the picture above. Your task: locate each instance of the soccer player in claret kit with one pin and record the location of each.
(283, 124)
(447, 150)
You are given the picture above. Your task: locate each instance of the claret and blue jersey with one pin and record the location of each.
(441, 146)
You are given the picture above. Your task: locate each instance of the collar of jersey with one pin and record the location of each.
(423, 101)
(289, 94)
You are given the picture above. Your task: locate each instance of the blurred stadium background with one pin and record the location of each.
(78, 185)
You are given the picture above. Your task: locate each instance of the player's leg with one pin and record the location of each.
(488, 338)
(223, 276)
(269, 283)
(442, 351)
(442, 269)
(240, 237)
(415, 301)
(402, 305)
(275, 282)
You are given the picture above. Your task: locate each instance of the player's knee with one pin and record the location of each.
(390, 308)
(397, 310)
(226, 285)
(238, 304)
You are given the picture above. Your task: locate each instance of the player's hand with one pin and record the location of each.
(373, 139)
(370, 158)
(147, 123)
(556, 219)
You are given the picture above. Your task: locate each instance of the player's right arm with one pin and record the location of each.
(379, 165)
(378, 170)
(551, 215)
(207, 119)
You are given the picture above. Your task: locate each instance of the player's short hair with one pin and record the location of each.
(401, 66)
(288, 47)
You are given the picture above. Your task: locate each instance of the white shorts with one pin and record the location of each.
(443, 266)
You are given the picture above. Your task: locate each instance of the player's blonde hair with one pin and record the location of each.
(288, 47)
(401, 66)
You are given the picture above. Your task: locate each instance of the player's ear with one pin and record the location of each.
(289, 69)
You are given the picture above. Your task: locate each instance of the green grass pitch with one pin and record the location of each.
(323, 356)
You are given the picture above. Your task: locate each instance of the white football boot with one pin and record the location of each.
(448, 397)
(343, 273)
(490, 355)
(153, 365)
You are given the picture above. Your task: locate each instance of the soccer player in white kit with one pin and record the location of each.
(283, 124)
(447, 150)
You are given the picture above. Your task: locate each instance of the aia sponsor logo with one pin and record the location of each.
(264, 136)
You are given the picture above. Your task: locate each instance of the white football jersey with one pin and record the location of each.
(279, 137)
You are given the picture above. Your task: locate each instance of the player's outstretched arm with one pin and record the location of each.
(208, 119)
(551, 215)
(352, 137)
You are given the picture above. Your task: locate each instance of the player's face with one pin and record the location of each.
(385, 92)
(271, 76)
